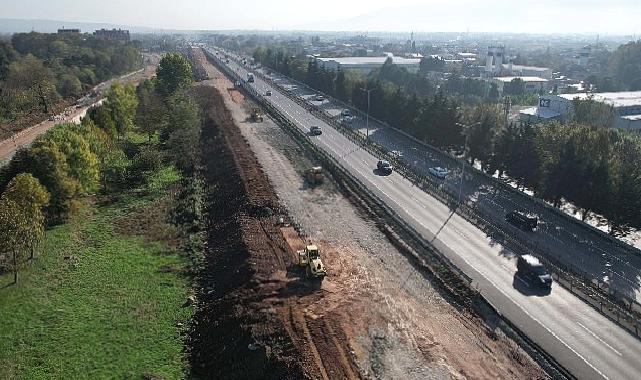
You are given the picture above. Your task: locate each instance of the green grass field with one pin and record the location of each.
(96, 303)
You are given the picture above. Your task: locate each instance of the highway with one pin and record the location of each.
(585, 342)
(567, 243)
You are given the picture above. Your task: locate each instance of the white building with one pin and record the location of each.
(533, 85)
(527, 71)
(367, 64)
(627, 106)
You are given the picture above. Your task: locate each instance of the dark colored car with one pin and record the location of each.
(316, 130)
(384, 167)
(531, 268)
(522, 220)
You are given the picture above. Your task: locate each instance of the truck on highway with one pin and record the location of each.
(250, 77)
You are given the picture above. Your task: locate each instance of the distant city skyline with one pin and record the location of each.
(541, 16)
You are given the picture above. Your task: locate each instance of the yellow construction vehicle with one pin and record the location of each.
(309, 258)
(257, 115)
(315, 176)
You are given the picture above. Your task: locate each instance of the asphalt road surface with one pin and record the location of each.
(585, 342)
(578, 249)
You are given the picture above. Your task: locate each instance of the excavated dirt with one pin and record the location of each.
(375, 315)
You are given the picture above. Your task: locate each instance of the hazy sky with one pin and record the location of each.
(540, 16)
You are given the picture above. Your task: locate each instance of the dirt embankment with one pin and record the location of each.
(245, 327)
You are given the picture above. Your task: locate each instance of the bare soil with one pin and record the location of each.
(376, 315)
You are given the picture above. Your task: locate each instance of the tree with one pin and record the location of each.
(30, 197)
(184, 133)
(493, 95)
(432, 64)
(46, 162)
(624, 65)
(101, 116)
(70, 86)
(516, 87)
(590, 112)
(81, 161)
(30, 84)
(624, 211)
(150, 113)
(173, 74)
(12, 242)
(482, 124)
(122, 102)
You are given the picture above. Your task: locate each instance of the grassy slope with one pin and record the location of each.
(107, 312)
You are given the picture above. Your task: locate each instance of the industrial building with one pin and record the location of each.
(533, 85)
(496, 65)
(366, 64)
(627, 106)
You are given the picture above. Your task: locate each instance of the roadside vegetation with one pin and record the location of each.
(583, 163)
(101, 227)
(39, 71)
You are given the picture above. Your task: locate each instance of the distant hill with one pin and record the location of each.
(9, 26)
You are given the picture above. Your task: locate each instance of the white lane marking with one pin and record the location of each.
(599, 339)
(491, 282)
(486, 278)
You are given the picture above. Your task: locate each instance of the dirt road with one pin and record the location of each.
(375, 315)
(72, 114)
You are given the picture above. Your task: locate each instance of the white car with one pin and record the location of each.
(396, 154)
(439, 172)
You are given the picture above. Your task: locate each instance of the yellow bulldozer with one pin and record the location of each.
(315, 176)
(257, 115)
(309, 258)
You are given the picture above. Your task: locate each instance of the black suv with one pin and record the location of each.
(531, 268)
(384, 167)
(521, 220)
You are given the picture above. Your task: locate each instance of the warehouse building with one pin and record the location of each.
(533, 85)
(627, 106)
(366, 64)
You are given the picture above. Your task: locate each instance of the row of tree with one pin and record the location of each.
(583, 163)
(37, 70)
(42, 184)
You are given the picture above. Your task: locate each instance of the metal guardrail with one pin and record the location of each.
(628, 315)
(456, 161)
(547, 361)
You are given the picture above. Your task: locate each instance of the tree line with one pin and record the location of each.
(38, 70)
(593, 167)
(44, 183)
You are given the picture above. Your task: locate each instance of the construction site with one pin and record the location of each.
(304, 278)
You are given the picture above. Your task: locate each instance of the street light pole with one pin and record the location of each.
(367, 115)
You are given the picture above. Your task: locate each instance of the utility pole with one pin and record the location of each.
(367, 115)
